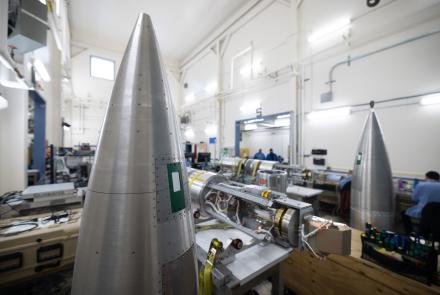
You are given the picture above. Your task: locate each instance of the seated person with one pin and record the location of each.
(271, 156)
(424, 193)
(259, 155)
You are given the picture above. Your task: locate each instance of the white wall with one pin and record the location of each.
(84, 106)
(86, 99)
(278, 35)
(13, 140)
(270, 31)
(404, 70)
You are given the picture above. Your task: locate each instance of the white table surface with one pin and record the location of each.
(249, 263)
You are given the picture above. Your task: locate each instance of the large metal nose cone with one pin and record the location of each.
(372, 198)
(140, 125)
(137, 235)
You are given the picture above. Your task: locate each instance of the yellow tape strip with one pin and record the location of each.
(195, 177)
(256, 165)
(240, 166)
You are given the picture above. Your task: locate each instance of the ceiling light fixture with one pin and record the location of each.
(331, 113)
(190, 97)
(3, 103)
(5, 62)
(254, 120)
(189, 133)
(41, 70)
(331, 30)
(19, 84)
(250, 127)
(211, 130)
(246, 71)
(283, 116)
(211, 88)
(430, 99)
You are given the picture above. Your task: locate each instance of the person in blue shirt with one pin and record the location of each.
(271, 156)
(259, 155)
(424, 193)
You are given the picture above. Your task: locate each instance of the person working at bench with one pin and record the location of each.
(424, 193)
(259, 155)
(271, 156)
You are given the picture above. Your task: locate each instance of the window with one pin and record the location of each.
(102, 68)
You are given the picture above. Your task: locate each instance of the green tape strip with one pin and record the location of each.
(175, 184)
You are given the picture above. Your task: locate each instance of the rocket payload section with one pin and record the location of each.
(372, 198)
(137, 233)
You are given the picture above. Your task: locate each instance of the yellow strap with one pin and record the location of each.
(266, 193)
(256, 165)
(49, 5)
(240, 166)
(205, 274)
(195, 177)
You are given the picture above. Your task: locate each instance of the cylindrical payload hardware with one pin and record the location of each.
(251, 167)
(372, 198)
(274, 179)
(198, 181)
(230, 163)
(137, 232)
(267, 165)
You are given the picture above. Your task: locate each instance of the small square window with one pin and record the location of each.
(102, 68)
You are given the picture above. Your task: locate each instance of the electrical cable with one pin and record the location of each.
(213, 226)
(236, 213)
(265, 231)
(304, 238)
(6, 230)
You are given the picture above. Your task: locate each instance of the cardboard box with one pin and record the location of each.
(334, 238)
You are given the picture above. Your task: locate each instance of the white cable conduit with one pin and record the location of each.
(349, 60)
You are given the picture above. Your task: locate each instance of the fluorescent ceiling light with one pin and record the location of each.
(41, 70)
(246, 71)
(267, 125)
(42, 1)
(189, 133)
(254, 120)
(283, 116)
(282, 122)
(66, 126)
(5, 63)
(337, 28)
(211, 130)
(430, 99)
(57, 6)
(249, 127)
(332, 113)
(211, 88)
(19, 84)
(3, 103)
(190, 97)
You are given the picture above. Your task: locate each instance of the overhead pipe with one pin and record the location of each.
(349, 60)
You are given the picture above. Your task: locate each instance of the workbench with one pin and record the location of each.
(249, 268)
(305, 275)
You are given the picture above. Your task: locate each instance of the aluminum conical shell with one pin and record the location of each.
(372, 198)
(137, 233)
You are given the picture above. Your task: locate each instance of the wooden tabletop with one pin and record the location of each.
(305, 274)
